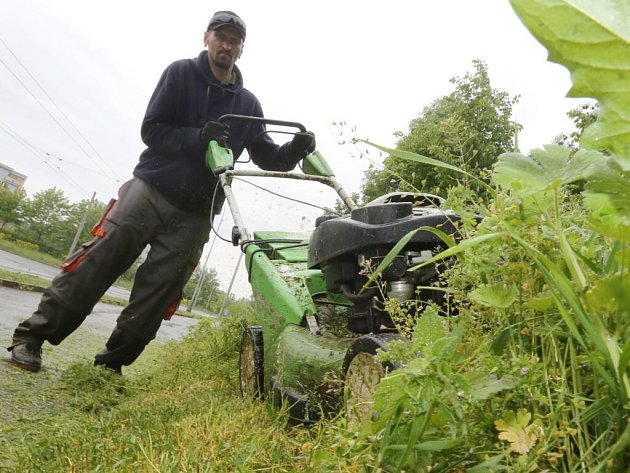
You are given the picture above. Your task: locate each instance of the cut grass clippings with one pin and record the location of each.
(178, 409)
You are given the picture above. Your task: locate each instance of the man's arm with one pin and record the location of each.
(159, 130)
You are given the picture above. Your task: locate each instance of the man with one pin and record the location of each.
(166, 205)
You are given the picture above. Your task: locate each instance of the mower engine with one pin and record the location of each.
(348, 249)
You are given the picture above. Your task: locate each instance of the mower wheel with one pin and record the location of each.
(251, 363)
(362, 372)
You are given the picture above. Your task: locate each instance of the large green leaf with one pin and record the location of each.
(607, 196)
(494, 295)
(545, 169)
(429, 328)
(592, 39)
(483, 385)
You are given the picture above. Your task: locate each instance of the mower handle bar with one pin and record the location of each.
(266, 121)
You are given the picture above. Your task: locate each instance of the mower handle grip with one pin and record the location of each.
(266, 121)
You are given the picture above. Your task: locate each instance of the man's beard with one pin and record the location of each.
(223, 63)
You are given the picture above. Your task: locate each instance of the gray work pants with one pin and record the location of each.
(141, 217)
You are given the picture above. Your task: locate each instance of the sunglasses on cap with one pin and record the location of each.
(223, 18)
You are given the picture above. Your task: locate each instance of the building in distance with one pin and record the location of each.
(11, 178)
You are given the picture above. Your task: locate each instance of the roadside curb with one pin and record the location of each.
(21, 286)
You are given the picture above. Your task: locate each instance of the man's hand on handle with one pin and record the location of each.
(214, 131)
(303, 144)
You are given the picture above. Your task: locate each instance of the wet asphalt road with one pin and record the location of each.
(17, 305)
(19, 264)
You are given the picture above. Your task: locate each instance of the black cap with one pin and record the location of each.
(223, 18)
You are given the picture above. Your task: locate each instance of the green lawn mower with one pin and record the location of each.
(319, 319)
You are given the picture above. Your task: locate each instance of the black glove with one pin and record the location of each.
(214, 131)
(303, 144)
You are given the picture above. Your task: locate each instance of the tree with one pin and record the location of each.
(209, 293)
(10, 203)
(582, 116)
(76, 213)
(44, 218)
(469, 128)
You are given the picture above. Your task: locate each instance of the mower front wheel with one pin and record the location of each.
(362, 372)
(251, 363)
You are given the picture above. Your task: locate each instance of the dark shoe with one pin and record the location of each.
(26, 355)
(116, 369)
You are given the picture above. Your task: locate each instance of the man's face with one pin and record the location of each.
(225, 46)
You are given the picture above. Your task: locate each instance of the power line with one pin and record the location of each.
(69, 162)
(41, 156)
(113, 173)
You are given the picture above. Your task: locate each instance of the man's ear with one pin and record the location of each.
(206, 34)
(242, 48)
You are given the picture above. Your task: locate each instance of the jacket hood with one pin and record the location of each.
(202, 68)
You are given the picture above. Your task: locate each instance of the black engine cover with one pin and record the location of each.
(375, 226)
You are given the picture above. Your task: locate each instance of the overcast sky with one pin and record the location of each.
(75, 78)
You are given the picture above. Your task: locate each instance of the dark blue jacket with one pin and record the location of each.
(186, 97)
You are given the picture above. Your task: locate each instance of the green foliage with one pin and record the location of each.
(540, 291)
(590, 38)
(422, 409)
(516, 429)
(13, 246)
(547, 271)
(92, 211)
(44, 217)
(10, 205)
(583, 116)
(46, 210)
(51, 222)
(208, 293)
(468, 128)
(544, 169)
(418, 408)
(607, 196)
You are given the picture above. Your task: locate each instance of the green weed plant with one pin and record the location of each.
(541, 290)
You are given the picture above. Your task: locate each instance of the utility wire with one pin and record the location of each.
(69, 162)
(113, 173)
(41, 156)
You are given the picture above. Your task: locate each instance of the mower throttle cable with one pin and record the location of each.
(325, 209)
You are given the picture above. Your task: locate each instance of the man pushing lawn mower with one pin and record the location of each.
(168, 204)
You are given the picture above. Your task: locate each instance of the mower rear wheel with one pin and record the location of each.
(362, 372)
(251, 363)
